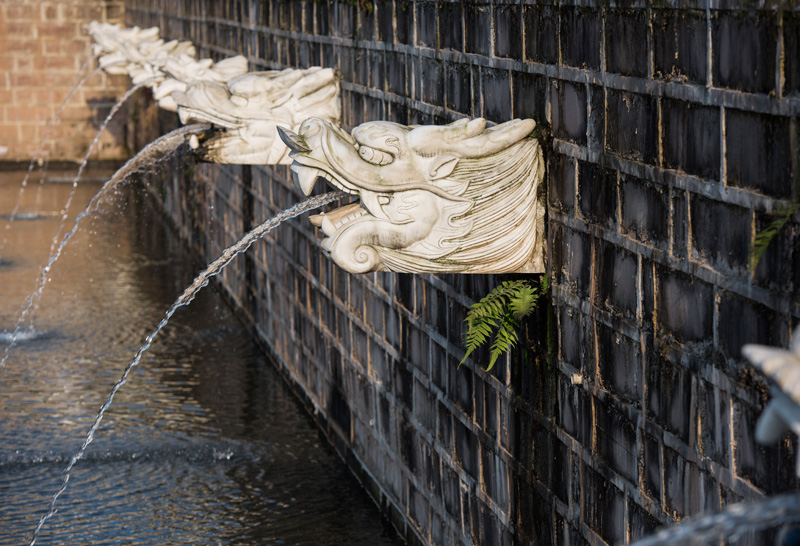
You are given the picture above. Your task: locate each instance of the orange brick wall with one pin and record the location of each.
(43, 45)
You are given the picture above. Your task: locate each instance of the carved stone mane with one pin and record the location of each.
(453, 198)
(247, 110)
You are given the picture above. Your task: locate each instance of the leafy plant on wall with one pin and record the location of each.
(502, 310)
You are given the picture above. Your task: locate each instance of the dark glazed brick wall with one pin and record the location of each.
(671, 140)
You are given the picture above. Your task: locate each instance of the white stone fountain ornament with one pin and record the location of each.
(782, 366)
(248, 110)
(450, 198)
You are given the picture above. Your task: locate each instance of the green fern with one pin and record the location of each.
(765, 237)
(502, 309)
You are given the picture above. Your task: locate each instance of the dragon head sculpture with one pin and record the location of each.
(247, 110)
(180, 70)
(451, 198)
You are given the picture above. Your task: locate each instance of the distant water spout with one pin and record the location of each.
(185, 299)
(160, 147)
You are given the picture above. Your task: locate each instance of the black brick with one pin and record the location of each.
(680, 224)
(385, 16)
(377, 71)
(769, 467)
(561, 175)
(691, 138)
(616, 276)
(645, 210)
(623, 29)
(652, 467)
(603, 507)
(496, 89)
(685, 306)
(403, 385)
(508, 31)
(729, 247)
(451, 34)
(744, 50)
(572, 259)
(680, 44)
(597, 115)
(530, 96)
(619, 364)
(642, 524)
(753, 323)
(632, 125)
(791, 52)
(541, 30)
(616, 440)
(597, 193)
(671, 396)
(714, 411)
(774, 270)
(758, 152)
(478, 19)
(574, 411)
(568, 111)
(581, 30)
(396, 72)
(432, 81)
(426, 24)
(466, 449)
(404, 19)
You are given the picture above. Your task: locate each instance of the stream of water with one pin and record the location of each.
(204, 445)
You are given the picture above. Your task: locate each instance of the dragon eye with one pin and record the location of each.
(376, 157)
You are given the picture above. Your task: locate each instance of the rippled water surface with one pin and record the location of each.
(203, 445)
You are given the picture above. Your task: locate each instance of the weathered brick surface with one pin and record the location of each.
(43, 46)
(628, 405)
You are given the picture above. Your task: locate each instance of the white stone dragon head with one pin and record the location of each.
(247, 110)
(450, 198)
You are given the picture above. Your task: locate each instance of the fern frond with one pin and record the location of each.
(504, 340)
(523, 301)
(765, 236)
(502, 308)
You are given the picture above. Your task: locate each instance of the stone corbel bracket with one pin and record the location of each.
(453, 198)
(247, 110)
(782, 414)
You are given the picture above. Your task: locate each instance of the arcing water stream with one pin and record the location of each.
(185, 298)
(205, 444)
(159, 148)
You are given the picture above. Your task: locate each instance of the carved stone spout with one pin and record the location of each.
(247, 110)
(452, 198)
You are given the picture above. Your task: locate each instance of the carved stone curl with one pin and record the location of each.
(451, 198)
(249, 108)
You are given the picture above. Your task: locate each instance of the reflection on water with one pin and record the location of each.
(204, 445)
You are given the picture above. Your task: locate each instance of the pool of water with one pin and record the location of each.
(204, 445)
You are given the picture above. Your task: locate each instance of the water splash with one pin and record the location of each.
(52, 123)
(185, 299)
(160, 147)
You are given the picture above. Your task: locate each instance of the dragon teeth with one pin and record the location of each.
(304, 177)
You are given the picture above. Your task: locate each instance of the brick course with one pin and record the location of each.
(665, 158)
(43, 45)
